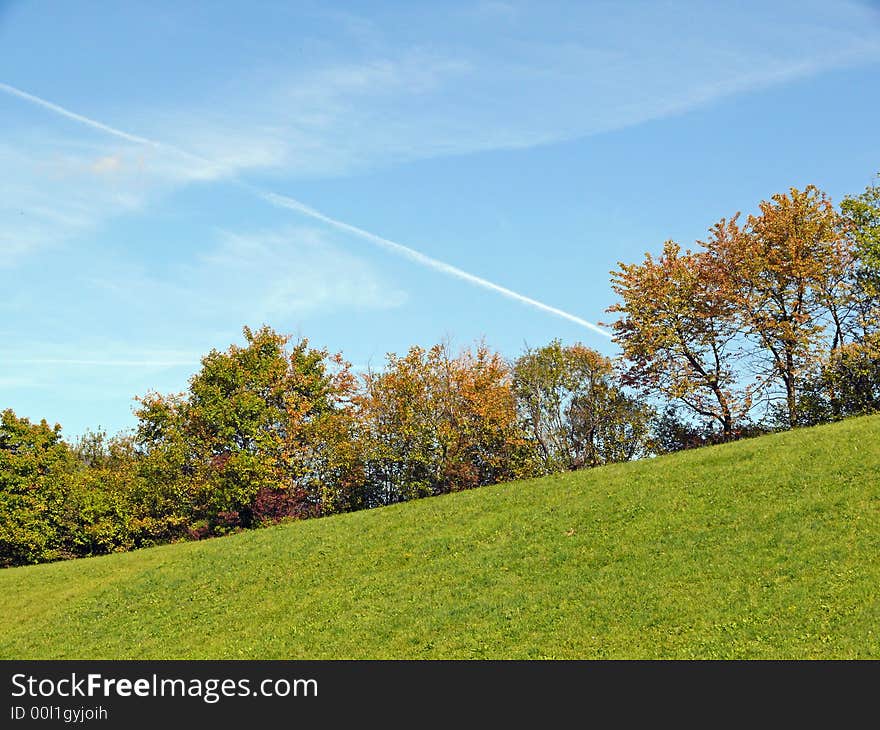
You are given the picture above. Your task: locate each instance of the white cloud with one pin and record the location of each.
(292, 272)
(108, 164)
(279, 276)
(53, 190)
(290, 203)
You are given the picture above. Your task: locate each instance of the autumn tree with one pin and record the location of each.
(680, 334)
(399, 437)
(336, 459)
(786, 270)
(433, 423)
(481, 411)
(574, 412)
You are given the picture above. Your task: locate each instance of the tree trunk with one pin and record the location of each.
(790, 391)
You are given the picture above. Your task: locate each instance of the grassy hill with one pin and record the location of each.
(767, 548)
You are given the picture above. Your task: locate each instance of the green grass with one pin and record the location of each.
(768, 548)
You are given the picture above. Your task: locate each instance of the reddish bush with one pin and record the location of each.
(274, 505)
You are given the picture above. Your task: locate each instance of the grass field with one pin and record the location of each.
(768, 548)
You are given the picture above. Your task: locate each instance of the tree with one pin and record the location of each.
(861, 225)
(573, 411)
(401, 442)
(243, 445)
(168, 498)
(786, 274)
(99, 505)
(34, 467)
(434, 423)
(846, 383)
(679, 332)
(671, 432)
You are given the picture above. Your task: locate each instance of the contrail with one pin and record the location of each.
(75, 117)
(283, 201)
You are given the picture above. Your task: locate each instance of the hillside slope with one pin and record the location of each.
(762, 548)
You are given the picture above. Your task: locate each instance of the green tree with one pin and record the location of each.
(243, 444)
(170, 495)
(861, 224)
(573, 411)
(35, 465)
(846, 383)
(99, 504)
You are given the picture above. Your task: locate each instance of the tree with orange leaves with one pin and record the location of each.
(679, 332)
(432, 422)
(787, 273)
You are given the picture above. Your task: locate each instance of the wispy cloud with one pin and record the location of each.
(551, 72)
(296, 270)
(277, 275)
(16, 382)
(47, 196)
(89, 350)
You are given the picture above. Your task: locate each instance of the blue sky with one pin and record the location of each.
(529, 145)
